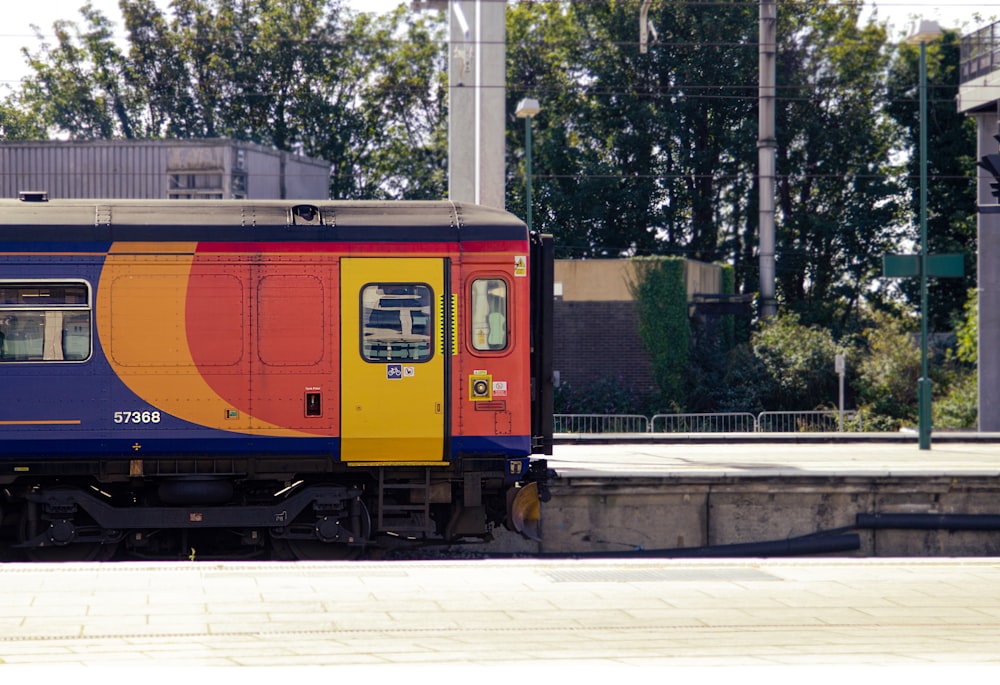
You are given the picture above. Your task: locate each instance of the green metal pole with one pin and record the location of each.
(924, 384)
(527, 176)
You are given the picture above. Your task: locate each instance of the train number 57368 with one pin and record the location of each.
(137, 417)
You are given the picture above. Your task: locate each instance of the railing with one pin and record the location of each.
(726, 422)
(807, 421)
(601, 423)
(980, 53)
(737, 422)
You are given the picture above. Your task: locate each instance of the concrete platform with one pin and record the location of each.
(685, 494)
(792, 455)
(502, 618)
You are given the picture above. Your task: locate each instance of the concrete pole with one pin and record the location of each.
(476, 106)
(988, 274)
(766, 149)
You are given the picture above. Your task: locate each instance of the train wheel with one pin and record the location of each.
(331, 539)
(73, 551)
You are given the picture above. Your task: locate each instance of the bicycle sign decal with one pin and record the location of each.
(394, 372)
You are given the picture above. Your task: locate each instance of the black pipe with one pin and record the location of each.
(814, 543)
(809, 544)
(929, 521)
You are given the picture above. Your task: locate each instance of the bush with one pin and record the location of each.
(605, 396)
(799, 361)
(959, 407)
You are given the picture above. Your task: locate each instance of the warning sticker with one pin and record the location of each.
(520, 265)
(499, 388)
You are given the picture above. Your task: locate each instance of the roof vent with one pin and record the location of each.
(306, 215)
(33, 196)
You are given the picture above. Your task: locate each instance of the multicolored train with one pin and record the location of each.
(268, 378)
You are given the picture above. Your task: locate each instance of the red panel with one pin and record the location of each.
(282, 316)
(217, 317)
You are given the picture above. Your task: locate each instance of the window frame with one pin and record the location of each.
(471, 328)
(363, 325)
(87, 307)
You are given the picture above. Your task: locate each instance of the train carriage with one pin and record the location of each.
(268, 377)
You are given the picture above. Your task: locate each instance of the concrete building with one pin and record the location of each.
(597, 324)
(160, 169)
(979, 97)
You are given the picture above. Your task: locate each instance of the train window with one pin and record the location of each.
(489, 314)
(44, 321)
(396, 322)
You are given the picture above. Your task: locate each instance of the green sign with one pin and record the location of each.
(938, 265)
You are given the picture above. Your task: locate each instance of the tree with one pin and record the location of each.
(16, 123)
(77, 86)
(656, 153)
(837, 197)
(951, 168)
(635, 155)
(308, 76)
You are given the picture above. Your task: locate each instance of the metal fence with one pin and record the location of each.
(807, 421)
(728, 422)
(601, 423)
(737, 422)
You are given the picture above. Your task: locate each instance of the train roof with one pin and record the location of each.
(34, 218)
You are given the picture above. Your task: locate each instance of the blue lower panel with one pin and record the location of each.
(89, 448)
(63, 444)
(510, 445)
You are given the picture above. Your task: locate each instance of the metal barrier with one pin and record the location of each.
(600, 423)
(979, 53)
(735, 422)
(828, 421)
(806, 421)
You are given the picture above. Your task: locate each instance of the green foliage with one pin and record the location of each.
(887, 380)
(837, 197)
(967, 330)
(958, 408)
(609, 395)
(957, 405)
(16, 123)
(799, 361)
(660, 294)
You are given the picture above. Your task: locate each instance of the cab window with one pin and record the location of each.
(489, 314)
(44, 321)
(396, 322)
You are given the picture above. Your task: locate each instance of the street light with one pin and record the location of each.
(926, 31)
(526, 109)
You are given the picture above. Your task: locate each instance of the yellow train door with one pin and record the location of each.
(393, 369)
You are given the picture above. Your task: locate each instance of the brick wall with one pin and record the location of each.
(595, 340)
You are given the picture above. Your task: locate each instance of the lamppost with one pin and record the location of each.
(926, 32)
(526, 109)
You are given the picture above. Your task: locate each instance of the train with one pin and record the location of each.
(269, 379)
